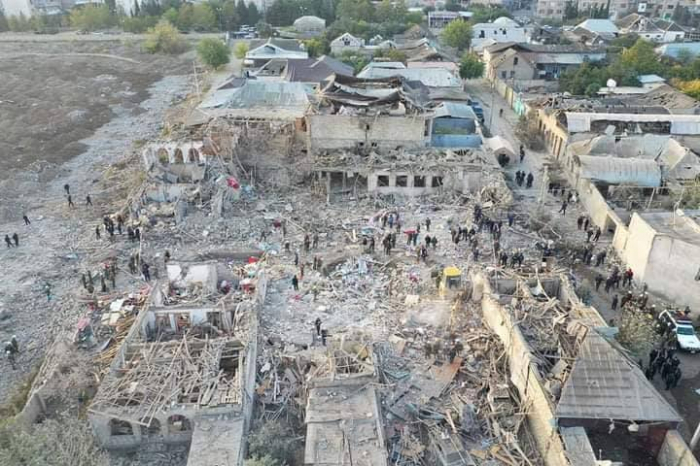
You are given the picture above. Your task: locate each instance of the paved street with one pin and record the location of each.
(683, 397)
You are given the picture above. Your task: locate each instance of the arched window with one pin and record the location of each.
(163, 156)
(152, 429)
(119, 427)
(193, 155)
(179, 158)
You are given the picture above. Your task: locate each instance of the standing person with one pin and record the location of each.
(26, 219)
(586, 221)
(564, 205)
(70, 201)
(295, 283)
(314, 243)
(97, 231)
(145, 269)
(522, 153)
(8, 241)
(67, 188)
(598, 281)
(598, 231)
(427, 224)
(579, 222)
(511, 219)
(47, 290)
(530, 179)
(614, 303)
(88, 201)
(11, 353)
(317, 324)
(15, 238)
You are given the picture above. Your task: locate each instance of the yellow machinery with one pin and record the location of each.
(451, 280)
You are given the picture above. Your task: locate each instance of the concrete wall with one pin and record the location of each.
(668, 265)
(347, 131)
(524, 375)
(599, 211)
(456, 140)
(675, 452)
(173, 152)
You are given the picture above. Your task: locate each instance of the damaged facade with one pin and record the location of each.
(187, 363)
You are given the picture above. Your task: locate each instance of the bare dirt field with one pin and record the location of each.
(55, 94)
(70, 112)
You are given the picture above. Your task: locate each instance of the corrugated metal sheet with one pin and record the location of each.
(454, 110)
(616, 170)
(580, 122)
(431, 77)
(257, 94)
(603, 384)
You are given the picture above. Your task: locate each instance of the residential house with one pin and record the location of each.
(662, 8)
(310, 25)
(429, 77)
(596, 31)
(534, 61)
(663, 248)
(455, 126)
(264, 50)
(369, 114)
(678, 50)
(655, 30)
(500, 30)
(440, 19)
(29, 8)
(616, 8)
(346, 43)
(553, 9)
(311, 71)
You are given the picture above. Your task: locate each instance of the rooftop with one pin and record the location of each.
(682, 225)
(431, 77)
(344, 424)
(605, 385)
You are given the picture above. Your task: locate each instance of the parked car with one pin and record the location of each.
(478, 111)
(682, 330)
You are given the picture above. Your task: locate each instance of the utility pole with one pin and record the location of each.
(543, 187)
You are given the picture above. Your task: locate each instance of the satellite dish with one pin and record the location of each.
(612, 84)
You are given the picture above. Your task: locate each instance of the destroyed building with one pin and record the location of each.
(185, 373)
(364, 114)
(415, 173)
(589, 401)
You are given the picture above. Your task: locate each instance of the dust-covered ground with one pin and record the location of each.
(53, 95)
(69, 114)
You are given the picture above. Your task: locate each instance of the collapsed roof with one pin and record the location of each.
(358, 92)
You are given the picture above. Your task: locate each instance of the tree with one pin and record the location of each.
(358, 10)
(264, 29)
(136, 11)
(164, 38)
(571, 10)
(316, 47)
(91, 17)
(203, 17)
(483, 14)
(354, 59)
(171, 15)
(4, 25)
(213, 52)
(391, 55)
(457, 34)
(242, 12)
(253, 14)
(240, 50)
(63, 441)
(453, 5)
(642, 57)
(138, 25)
(637, 331)
(471, 67)
(185, 17)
